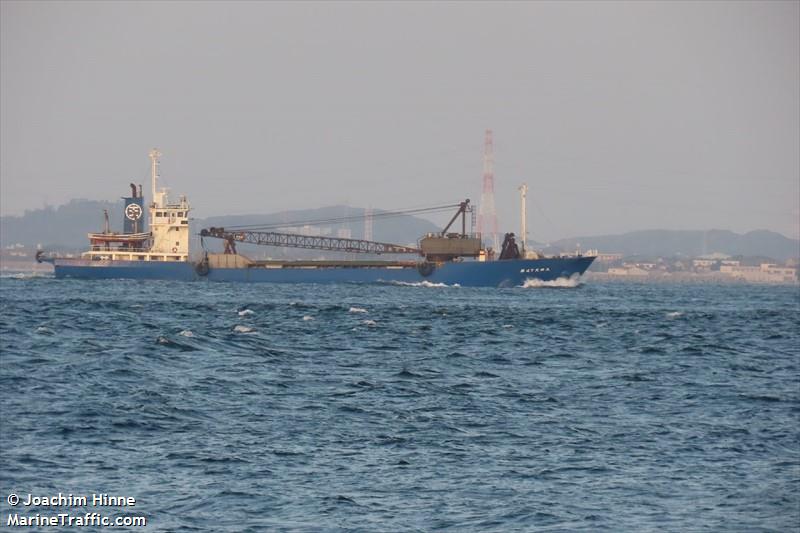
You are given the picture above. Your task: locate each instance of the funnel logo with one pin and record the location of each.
(133, 211)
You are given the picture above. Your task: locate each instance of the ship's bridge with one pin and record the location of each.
(169, 225)
(169, 222)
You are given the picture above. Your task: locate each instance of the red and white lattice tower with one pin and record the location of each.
(487, 216)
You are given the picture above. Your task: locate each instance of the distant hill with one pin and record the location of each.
(66, 226)
(669, 243)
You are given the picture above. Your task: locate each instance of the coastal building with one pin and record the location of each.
(766, 273)
(703, 264)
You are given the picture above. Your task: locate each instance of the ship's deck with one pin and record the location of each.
(332, 264)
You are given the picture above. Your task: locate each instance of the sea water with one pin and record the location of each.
(225, 407)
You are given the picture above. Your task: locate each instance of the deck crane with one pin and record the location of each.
(437, 247)
(293, 240)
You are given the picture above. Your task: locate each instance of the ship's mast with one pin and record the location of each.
(523, 234)
(157, 197)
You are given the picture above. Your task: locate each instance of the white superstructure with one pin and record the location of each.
(167, 240)
(169, 223)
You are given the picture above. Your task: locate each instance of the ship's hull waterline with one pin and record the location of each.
(510, 273)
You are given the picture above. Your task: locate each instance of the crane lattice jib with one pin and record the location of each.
(293, 240)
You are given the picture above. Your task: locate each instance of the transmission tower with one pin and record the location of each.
(487, 216)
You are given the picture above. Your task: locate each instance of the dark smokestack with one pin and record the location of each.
(133, 190)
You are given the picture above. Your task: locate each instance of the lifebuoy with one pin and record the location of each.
(174, 250)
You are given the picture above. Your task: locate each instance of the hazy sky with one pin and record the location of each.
(619, 116)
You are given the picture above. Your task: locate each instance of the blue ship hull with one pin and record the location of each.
(467, 274)
(88, 269)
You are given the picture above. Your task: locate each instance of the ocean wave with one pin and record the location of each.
(423, 283)
(27, 275)
(242, 329)
(558, 283)
(440, 374)
(169, 343)
(245, 312)
(357, 310)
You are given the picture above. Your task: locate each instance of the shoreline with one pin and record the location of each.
(681, 277)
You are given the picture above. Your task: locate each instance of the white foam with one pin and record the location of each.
(370, 323)
(245, 312)
(674, 314)
(242, 329)
(186, 333)
(564, 283)
(27, 275)
(507, 326)
(357, 310)
(424, 283)
(307, 318)
(44, 330)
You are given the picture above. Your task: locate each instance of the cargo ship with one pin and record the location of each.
(162, 253)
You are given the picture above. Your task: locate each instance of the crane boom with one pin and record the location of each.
(293, 240)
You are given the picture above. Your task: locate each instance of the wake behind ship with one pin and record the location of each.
(451, 258)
